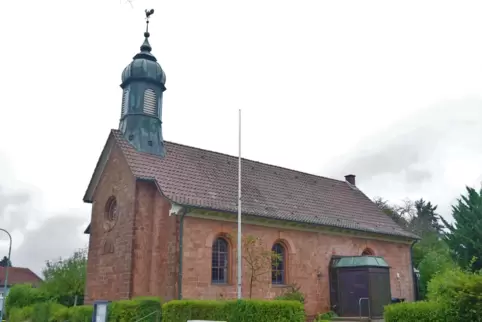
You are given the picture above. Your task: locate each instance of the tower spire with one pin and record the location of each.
(146, 47)
(143, 84)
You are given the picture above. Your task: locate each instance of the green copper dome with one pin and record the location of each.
(143, 85)
(144, 66)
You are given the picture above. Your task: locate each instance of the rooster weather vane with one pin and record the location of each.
(148, 15)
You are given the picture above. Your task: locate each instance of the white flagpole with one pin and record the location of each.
(239, 213)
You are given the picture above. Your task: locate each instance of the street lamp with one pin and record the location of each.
(5, 283)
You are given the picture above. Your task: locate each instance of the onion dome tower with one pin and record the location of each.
(143, 85)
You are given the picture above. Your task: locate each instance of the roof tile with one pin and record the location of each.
(18, 275)
(206, 179)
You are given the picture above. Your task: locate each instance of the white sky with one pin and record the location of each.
(391, 91)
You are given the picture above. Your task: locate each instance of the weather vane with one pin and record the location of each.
(148, 14)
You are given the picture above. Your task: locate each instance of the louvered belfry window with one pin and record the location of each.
(125, 102)
(149, 102)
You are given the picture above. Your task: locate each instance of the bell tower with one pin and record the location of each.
(143, 85)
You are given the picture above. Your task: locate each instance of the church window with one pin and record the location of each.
(125, 102)
(149, 102)
(220, 253)
(110, 212)
(368, 252)
(278, 265)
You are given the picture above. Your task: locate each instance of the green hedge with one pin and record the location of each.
(459, 292)
(51, 312)
(120, 311)
(22, 295)
(415, 312)
(39, 312)
(20, 314)
(43, 312)
(234, 311)
(146, 308)
(81, 313)
(454, 295)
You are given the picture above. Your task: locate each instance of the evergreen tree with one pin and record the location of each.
(391, 211)
(5, 262)
(419, 217)
(425, 220)
(464, 236)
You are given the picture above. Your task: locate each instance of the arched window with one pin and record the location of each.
(368, 252)
(278, 265)
(149, 102)
(110, 213)
(219, 270)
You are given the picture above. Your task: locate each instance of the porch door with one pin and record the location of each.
(353, 286)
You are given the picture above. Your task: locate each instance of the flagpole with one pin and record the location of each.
(239, 212)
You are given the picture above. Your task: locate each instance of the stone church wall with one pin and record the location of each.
(137, 254)
(110, 245)
(156, 245)
(307, 264)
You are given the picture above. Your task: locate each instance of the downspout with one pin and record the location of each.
(414, 282)
(181, 235)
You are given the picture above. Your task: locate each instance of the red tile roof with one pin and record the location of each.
(205, 179)
(19, 275)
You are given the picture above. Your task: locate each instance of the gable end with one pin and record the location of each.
(99, 169)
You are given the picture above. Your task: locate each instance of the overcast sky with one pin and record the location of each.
(391, 92)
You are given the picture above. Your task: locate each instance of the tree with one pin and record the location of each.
(392, 211)
(464, 236)
(419, 217)
(431, 242)
(434, 261)
(65, 278)
(258, 260)
(425, 219)
(5, 262)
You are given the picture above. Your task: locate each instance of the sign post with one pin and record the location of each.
(100, 311)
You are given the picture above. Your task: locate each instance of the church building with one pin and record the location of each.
(163, 214)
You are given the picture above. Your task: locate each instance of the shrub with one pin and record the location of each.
(327, 316)
(233, 310)
(81, 313)
(22, 295)
(459, 292)
(292, 294)
(433, 263)
(146, 308)
(43, 312)
(60, 315)
(415, 311)
(20, 314)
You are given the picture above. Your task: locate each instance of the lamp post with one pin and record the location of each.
(5, 283)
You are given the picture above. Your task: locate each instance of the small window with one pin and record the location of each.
(125, 102)
(368, 252)
(149, 102)
(278, 265)
(108, 246)
(110, 213)
(219, 270)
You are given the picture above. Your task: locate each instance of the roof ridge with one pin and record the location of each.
(325, 202)
(245, 159)
(16, 267)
